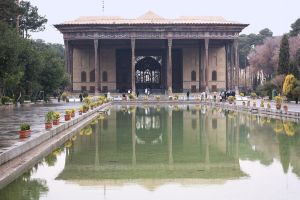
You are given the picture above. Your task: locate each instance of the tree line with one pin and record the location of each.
(27, 66)
(271, 59)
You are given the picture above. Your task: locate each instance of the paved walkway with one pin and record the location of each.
(11, 117)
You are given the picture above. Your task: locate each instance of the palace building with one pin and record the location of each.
(176, 55)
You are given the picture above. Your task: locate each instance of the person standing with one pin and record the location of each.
(188, 95)
(80, 97)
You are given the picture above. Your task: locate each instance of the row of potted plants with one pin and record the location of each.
(53, 118)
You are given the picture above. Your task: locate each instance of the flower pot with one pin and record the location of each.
(48, 126)
(24, 134)
(84, 111)
(80, 112)
(56, 122)
(67, 117)
(278, 106)
(72, 115)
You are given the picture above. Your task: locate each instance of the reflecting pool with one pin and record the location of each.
(165, 152)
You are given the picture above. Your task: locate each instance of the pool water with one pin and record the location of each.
(170, 152)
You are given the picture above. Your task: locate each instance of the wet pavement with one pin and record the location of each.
(12, 116)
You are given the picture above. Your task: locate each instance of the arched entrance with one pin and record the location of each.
(148, 73)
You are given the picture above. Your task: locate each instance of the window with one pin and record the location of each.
(104, 89)
(83, 76)
(104, 76)
(92, 76)
(193, 76)
(194, 88)
(92, 89)
(214, 88)
(83, 88)
(214, 75)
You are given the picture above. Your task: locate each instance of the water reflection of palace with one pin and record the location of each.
(157, 143)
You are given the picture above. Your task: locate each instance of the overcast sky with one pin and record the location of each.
(277, 15)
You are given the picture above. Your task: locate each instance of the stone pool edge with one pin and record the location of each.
(15, 151)
(15, 167)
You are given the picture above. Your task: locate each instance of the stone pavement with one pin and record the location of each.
(11, 117)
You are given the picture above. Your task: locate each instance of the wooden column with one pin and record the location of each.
(206, 41)
(97, 89)
(236, 64)
(169, 67)
(200, 68)
(66, 43)
(231, 70)
(133, 65)
(227, 65)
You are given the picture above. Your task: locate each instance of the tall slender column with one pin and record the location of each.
(200, 68)
(206, 41)
(133, 65)
(227, 65)
(97, 89)
(66, 43)
(236, 63)
(231, 70)
(169, 67)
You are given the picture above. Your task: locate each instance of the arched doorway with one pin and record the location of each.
(148, 72)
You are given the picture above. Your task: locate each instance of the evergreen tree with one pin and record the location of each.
(8, 11)
(295, 28)
(284, 56)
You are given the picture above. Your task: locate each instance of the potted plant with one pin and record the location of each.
(80, 110)
(85, 108)
(262, 103)
(253, 95)
(278, 100)
(24, 130)
(269, 105)
(231, 99)
(157, 97)
(73, 112)
(68, 115)
(285, 108)
(56, 117)
(49, 120)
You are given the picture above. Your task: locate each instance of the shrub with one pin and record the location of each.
(87, 100)
(253, 95)
(73, 110)
(131, 96)
(278, 99)
(242, 94)
(56, 115)
(49, 117)
(85, 94)
(289, 84)
(64, 96)
(231, 98)
(157, 97)
(296, 92)
(24, 127)
(68, 112)
(6, 99)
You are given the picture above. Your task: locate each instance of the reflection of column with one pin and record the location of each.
(170, 137)
(97, 163)
(133, 132)
(133, 65)
(237, 137)
(207, 158)
(96, 66)
(169, 67)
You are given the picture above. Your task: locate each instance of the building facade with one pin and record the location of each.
(175, 55)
